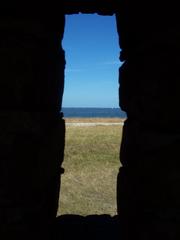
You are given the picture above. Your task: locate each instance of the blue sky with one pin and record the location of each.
(92, 61)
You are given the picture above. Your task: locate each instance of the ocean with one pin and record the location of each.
(93, 113)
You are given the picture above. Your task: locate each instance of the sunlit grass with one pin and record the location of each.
(91, 165)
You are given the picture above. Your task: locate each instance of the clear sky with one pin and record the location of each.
(92, 61)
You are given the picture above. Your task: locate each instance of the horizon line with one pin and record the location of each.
(89, 107)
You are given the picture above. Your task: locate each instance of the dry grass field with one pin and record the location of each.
(94, 120)
(91, 165)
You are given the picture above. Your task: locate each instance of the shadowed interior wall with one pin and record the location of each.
(148, 183)
(32, 128)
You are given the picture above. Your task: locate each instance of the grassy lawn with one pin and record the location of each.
(91, 165)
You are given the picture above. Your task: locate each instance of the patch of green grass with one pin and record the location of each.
(91, 164)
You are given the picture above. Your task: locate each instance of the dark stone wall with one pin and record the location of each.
(32, 128)
(148, 183)
(104, 7)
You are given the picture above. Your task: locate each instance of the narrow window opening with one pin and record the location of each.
(91, 162)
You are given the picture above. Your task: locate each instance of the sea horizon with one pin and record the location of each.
(93, 112)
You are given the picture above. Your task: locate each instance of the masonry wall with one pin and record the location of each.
(148, 182)
(32, 128)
